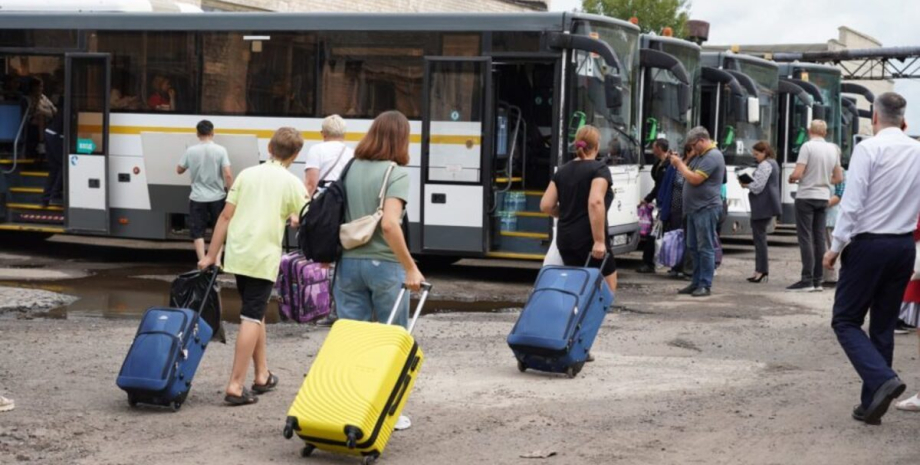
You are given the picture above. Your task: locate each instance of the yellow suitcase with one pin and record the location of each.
(359, 382)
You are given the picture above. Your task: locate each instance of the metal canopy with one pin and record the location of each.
(870, 64)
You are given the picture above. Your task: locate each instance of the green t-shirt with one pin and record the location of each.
(265, 196)
(205, 163)
(362, 187)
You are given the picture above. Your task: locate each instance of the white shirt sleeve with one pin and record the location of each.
(314, 158)
(853, 198)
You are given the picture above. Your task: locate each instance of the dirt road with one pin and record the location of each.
(751, 375)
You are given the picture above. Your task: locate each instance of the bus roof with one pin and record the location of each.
(670, 40)
(719, 56)
(786, 69)
(471, 22)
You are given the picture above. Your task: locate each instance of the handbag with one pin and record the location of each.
(672, 248)
(358, 232)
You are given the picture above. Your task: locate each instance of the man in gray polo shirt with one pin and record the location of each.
(702, 204)
(817, 170)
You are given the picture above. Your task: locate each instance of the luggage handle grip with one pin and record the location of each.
(402, 392)
(426, 289)
(603, 262)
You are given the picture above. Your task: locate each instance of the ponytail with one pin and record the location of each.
(586, 140)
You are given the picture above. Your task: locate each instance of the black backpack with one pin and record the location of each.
(320, 221)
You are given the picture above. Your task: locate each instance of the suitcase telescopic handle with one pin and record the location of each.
(426, 289)
(215, 272)
(604, 262)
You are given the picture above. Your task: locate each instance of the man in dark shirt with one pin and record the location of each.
(702, 204)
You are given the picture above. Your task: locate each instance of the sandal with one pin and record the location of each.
(269, 385)
(245, 398)
(909, 405)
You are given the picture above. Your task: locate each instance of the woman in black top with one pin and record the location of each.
(580, 195)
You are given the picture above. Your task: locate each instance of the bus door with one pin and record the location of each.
(86, 128)
(455, 171)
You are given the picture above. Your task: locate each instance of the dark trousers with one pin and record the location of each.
(873, 275)
(810, 221)
(54, 185)
(759, 228)
(648, 251)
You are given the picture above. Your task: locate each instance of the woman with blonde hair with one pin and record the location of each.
(579, 196)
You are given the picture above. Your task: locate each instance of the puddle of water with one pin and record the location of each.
(117, 295)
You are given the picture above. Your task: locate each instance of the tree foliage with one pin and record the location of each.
(654, 15)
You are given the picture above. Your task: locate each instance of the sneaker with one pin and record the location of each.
(6, 404)
(903, 328)
(403, 423)
(327, 321)
(674, 274)
(701, 292)
(645, 269)
(801, 286)
(818, 287)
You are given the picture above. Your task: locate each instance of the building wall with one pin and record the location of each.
(376, 6)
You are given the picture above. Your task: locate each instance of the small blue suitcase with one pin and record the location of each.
(164, 356)
(557, 327)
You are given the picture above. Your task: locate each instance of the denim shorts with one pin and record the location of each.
(366, 290)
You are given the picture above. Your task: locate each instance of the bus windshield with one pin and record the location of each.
(739, 136)
(664, 116)
(829, 85)
(618, 128)
(798, 129)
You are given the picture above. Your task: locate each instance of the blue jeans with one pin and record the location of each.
(366, 290)
(701, 232)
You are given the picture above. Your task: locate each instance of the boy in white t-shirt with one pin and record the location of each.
(326, 160)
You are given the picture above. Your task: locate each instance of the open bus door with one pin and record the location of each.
(86, 126)
(455, 172)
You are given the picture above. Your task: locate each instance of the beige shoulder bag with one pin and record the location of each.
(358, 232)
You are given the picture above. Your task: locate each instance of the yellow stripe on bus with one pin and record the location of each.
(516, 256)
(267, 134)
(16, 227)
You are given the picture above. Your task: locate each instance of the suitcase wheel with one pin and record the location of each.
(370, 459)
(521, 367)
(132, 401)
(175, 406)
(307, 450)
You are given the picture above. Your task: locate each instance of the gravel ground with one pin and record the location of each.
(751, 375)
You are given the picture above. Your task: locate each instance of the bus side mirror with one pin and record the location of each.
(613, 91)
(753, 110)
(819, 111)
(683, 101)
(739, 107)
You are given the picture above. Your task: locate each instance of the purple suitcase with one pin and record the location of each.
(303, 288)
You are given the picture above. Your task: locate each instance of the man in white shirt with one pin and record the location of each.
(326, 160)
(878, 214)
(817, 170)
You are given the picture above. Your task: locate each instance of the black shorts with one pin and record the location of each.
(203, 215)
(254, 295)
(578, 256)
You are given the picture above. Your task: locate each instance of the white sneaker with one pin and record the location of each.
(6, 404)
(909, 405)
(403, 423)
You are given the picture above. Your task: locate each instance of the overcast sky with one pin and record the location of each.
(808, 21)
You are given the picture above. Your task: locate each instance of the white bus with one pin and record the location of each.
(738, 108)
(492, 100)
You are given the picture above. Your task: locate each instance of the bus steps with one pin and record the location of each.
(520, 230)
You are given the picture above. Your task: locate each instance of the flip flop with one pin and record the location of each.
(909, 405)
(270, 385)
(245, 398)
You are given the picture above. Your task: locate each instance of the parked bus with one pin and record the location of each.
(738, 107)
(669, 85)
(493, 102)
(822, 85)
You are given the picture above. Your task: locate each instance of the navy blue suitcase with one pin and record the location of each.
(557, 327)
(164, 356)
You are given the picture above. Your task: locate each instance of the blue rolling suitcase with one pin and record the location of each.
(561, 319)
(164, 356)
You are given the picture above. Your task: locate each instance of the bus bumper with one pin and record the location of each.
(736, 224)
(624, 238)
